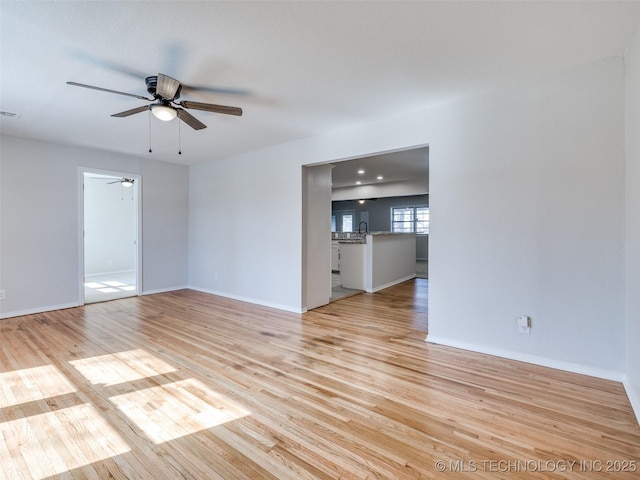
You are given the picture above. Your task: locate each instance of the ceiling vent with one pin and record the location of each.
(10, 114)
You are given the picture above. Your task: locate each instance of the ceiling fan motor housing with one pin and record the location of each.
(152, 85)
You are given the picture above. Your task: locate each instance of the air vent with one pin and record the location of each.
(9, 114)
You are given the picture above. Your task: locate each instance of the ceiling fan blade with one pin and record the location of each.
(108, 90)
(167, 86)
(125, 182)
(210, 107)
(221, 90)
(190, 120)
(133, 111)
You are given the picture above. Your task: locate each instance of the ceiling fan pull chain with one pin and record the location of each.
(179, 139)
(149, 130)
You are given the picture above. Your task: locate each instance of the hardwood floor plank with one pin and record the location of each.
(189, 385)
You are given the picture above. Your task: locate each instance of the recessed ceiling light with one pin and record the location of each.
(361, 171)
(380, 177)
(358, 182)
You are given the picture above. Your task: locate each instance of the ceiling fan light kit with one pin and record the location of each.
(165, 113)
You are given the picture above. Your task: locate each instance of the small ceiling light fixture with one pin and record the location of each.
(6, 114)
(361, 171)
(162, 112)
(380, 177)
(361, 201)
(127, 182)
(358, 182)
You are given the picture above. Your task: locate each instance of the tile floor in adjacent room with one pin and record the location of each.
(100, 288)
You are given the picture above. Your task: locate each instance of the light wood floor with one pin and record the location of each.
(186, 385)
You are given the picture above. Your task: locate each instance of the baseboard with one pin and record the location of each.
(634, 397)
(390, 284)
(254, 301)
(533, 359)
(31, 311)
(164, 290)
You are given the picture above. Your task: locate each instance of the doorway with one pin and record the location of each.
(398, 173)
(110, 235)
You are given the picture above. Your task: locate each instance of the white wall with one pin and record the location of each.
(109, 227)
(527, 217)
(39, 237)
(633, 224)
(245, 227)
(546, 239)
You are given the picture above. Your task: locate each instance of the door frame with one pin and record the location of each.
(137, 197)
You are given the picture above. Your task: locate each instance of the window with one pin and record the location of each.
(410, 219)
(342, 220)
(422, 220)
(347, 223)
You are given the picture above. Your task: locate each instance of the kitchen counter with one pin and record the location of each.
(378, 260)
(353, 237)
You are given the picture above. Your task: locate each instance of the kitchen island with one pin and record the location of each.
(377, 260)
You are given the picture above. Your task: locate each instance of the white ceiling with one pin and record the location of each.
(392, 167)
(304, 67)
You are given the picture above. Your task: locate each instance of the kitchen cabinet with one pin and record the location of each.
(353, 266)
(335, 256)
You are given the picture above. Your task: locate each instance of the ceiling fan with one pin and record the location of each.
(125, 182)
(166, 92)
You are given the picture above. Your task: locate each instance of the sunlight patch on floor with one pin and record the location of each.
(109, 286)
(31, 384)
(107, 290)
(56, 432)
(177, 409)
(121, 367)
(85, 435)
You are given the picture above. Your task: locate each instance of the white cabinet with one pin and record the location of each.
(335, 256)
(353, 265)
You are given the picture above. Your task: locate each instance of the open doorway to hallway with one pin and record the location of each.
(110, 236)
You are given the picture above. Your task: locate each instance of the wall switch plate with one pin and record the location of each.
(2, 297)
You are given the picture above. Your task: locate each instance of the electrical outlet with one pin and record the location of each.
(2, 297)
(524, 325)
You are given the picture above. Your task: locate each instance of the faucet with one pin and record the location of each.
(366, 227)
